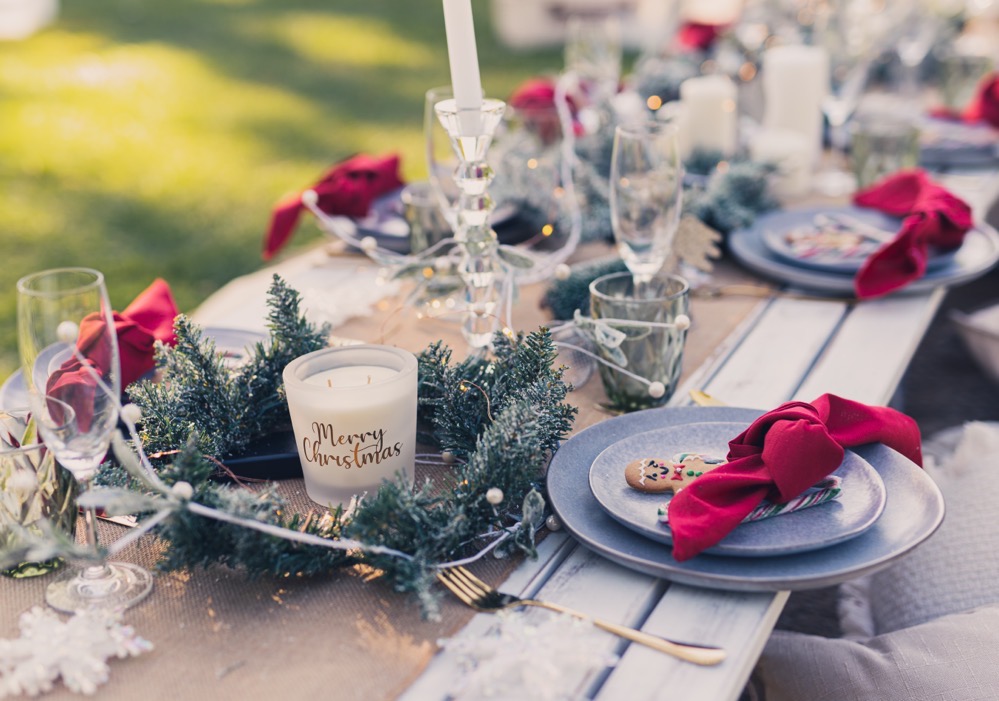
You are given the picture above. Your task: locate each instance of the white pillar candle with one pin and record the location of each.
(795, 81)
(710, 103)
(353, 411)
(675, 112)
(788, 151)
(717, 12)
(466, 83)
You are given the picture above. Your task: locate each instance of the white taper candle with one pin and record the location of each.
(463, 57)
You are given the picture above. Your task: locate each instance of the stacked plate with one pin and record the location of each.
(821, 249)
(887, 506)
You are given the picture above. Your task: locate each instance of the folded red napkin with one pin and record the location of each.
(347, 189)
(535, 100)
(697, 36)
(149, 318)
(933, 217)
(780, 455)
(984, 106)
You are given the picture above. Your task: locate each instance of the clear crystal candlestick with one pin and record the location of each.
(480, 268)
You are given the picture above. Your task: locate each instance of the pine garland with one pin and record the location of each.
(501, 417)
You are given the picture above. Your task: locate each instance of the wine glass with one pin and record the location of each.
(850, 49)
(69, 357)
(646, 193)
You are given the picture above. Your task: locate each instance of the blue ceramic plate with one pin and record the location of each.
(857, 508)
(913, 511)
(976, 256)
(775, 228)
(948, 143)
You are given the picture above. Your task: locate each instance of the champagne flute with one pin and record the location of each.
(69, 357)
(646, 194)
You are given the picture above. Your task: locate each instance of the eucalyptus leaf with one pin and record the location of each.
(516, 258)
(117, 501)
(534, 509)
(130, 461)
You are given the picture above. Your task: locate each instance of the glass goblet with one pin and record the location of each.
(69, 357)
(646, 194)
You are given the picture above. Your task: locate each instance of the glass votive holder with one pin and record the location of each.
(421, 210)
(651, 352)
(353, 411)
(961, 73)
(882, 144)
(35, 492)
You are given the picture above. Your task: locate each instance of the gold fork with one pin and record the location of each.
(482, 597)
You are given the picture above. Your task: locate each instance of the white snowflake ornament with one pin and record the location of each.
(75, 650)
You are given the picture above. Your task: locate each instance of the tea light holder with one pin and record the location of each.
(353, 411)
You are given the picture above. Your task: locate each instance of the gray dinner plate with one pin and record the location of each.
(946, 143)
(774, 227)
(913, 511)
(858, 507)
(977, 255)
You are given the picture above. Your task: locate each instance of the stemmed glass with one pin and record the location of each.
(850, 50)
(646, 193)
(69, 357)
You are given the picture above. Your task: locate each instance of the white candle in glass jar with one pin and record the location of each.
(353, 411)
(795, 82)
(712, 120)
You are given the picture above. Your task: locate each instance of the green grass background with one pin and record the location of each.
(151, 139)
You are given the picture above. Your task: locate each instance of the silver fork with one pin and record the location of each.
(482, 597)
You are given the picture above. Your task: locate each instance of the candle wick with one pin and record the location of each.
(329, 382)
(369, 379)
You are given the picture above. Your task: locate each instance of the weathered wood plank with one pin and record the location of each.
(739, 622)
(779, 350)
(866, 359)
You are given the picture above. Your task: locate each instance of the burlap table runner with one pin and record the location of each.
(220, 635)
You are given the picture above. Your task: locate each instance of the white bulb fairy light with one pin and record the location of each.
(182, 490)
(67, 331)
(131, 413)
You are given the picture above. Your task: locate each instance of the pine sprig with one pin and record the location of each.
(198, 394)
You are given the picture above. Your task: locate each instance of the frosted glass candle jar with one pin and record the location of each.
(353, 411)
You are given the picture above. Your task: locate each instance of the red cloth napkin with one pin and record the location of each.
(697, 36)
(535, 100)
(933, 216)
(347, 189)
(780, 455)
(984, 106)
(149, 318)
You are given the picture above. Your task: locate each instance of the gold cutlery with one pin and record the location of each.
(480, 596)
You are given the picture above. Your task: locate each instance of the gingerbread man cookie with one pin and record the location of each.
(656, 476)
